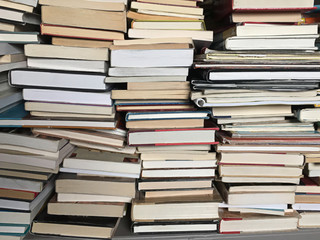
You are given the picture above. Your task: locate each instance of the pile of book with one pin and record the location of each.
(19, 24)
(251, 95)
(28, 170)
(163, 18)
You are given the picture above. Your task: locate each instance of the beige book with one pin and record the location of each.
(178, 193)
(84, 18)
(160, 94)
(86, 4)
(185, 3)
(157, 85)
(73, 42)
(10, 58)
(141, 16)
(52, 51)
(16, 6)
(266, 17)
(63, 31)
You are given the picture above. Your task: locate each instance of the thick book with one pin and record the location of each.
(18, 117)
(93, 209)
(81, 33)
(86, 18)
(235, 223)
(95, 185)
(55, 79)
(151, 57)
(103, 161)
(74, 226)
(54, 51)
(176, 208)
(172, 137)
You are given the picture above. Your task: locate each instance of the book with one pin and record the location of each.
(233, 223)
(308, 220)
(19, 37)
(160, 124)
(177, 25)
(178, 173)
(156, 33)
(141, 16)
(69, 108)
(16, 6)
(305, 42)
(157, 85)
(104, 20)
(136, 116)
(73, 32)
(183, 226)
(74, 42)
(74, 226)
(174, 209)
(94, 5)
(68, 65)
(156, 94)
(274, 16)
(161, 40)
(246, 5)
(65, 80)
(24, 174)
(151, 58)
(103, 161)
(167, 8)
(148, 72)
(32, 3)
(35, 204)
(17, 194)
(21, 184)
(7, 48)
(20, 17)
(9, 66)
(308, 115)
(12, 58)
(84, 135)
(73, 97)
(95, 185)
(99, 209)
(172, 137)
(16, 116)
(54, 51)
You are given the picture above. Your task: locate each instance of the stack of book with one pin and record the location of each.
(251, 94)
(163, 18)
(307, 202)
(28, 170)
(264, 25)
(19, 24)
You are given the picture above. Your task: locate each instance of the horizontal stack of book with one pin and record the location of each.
(28, 170)
(159, 19)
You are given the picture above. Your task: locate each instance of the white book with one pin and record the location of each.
(67, 65)
(147, 72)
(32, 3)
(74, 197)
(59, 96)
(145, 79)
(40, 78)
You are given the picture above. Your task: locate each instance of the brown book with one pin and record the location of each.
(73, 42)
(157, 85)
(171, 123)
(156, 94)
(17, 194)
(85, 18)
(74, 32)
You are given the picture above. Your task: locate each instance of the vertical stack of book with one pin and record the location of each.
(163, 18)
(251, 94)
(19, 24)
(28, 170)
